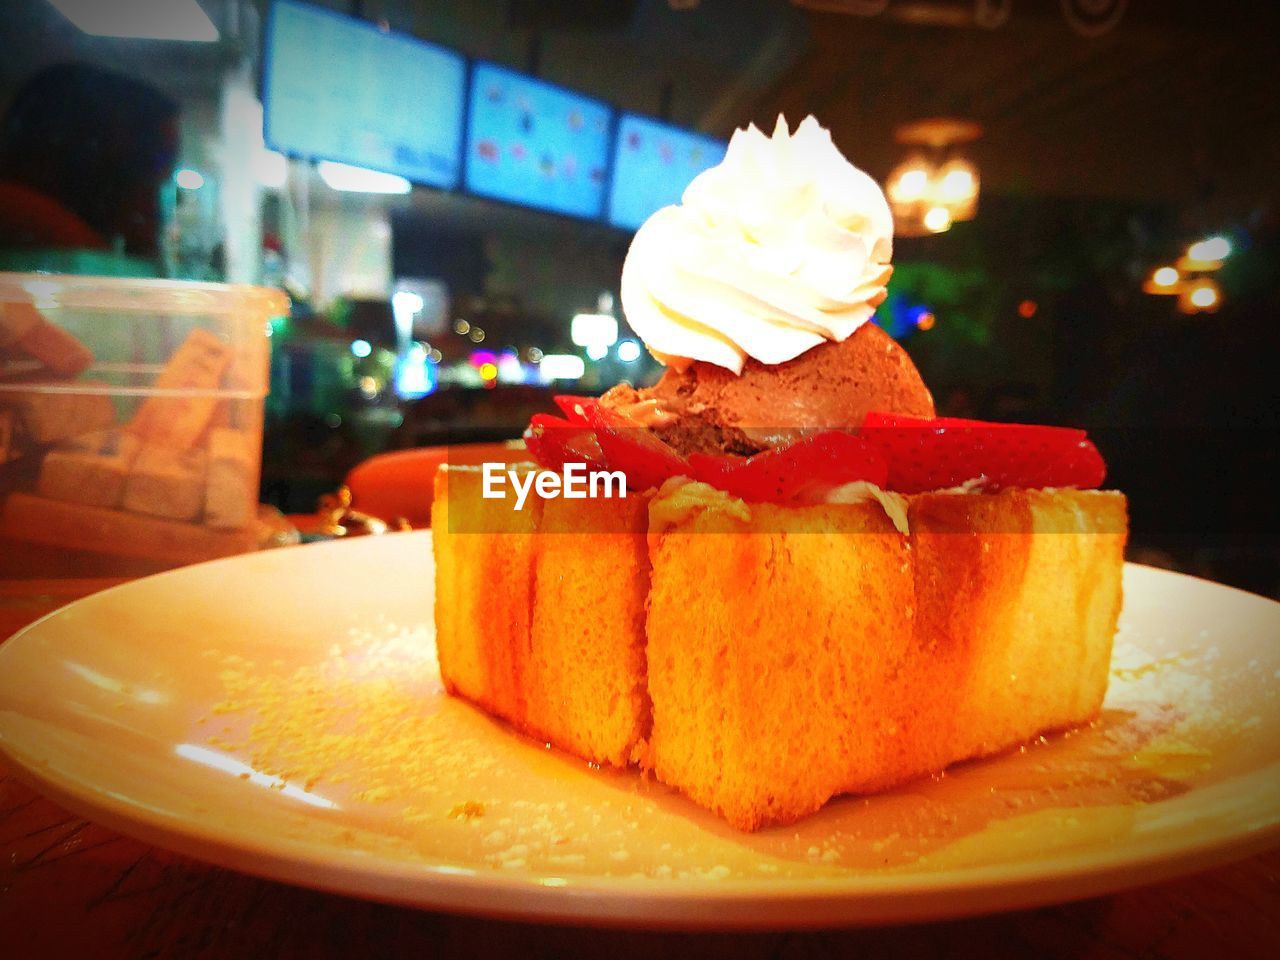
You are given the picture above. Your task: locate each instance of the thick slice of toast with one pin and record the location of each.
(484, 592)
(779, 653)
(540, 612)
(831, 654)
(1019, 592)
(586, 678)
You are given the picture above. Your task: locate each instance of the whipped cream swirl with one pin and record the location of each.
(781, 247)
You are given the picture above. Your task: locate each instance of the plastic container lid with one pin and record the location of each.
(134, 295)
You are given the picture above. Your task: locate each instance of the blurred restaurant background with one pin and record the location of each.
(1084, 191)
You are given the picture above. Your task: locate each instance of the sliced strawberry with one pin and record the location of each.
(713, 468)
(645, 459)
(803, 471)
(574, 408)
(933, 454)
(553, 442)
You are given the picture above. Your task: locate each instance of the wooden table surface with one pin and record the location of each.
(69, 888)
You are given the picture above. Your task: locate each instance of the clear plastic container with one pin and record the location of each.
(130, 422)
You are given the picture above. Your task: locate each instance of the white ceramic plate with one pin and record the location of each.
(281, 714)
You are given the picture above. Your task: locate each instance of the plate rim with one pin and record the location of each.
(674, 904)
(666, 903)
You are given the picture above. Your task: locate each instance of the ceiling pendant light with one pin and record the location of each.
(935, 185)
(909, 182)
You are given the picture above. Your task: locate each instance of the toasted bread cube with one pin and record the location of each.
(90, 469)
(484, 582)
(17, 319)
(167, 483)
(180, 422)
(59, 350)
(584, 689)
(775, 651)
(541, 618)
(231, 493)
(53, 412)
(1019, 595)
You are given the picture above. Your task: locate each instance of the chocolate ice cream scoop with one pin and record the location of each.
(832, 386)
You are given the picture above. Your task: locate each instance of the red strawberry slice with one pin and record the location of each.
(619, 443)
(553, 442)
(804, 471)
(714, 468)
(932, 454)
(645, 459)
(574, 408)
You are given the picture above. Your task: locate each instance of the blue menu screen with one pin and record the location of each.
(337, 88)
(536, 144)
(652, 164)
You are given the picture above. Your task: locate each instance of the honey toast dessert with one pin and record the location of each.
(813, 585)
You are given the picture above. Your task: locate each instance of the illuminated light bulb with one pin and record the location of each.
(597, 351)
(957, 184)
(188, 179)
(1212, 249)
(628, 351)
(361, 348)
(937, 219)
(1027, 309)
(910, 186)
(926, 321)
(1165, 281)
(1200, 295)
(1204, 296)
(488, 371)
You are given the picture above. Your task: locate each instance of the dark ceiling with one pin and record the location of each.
(1180, 101)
